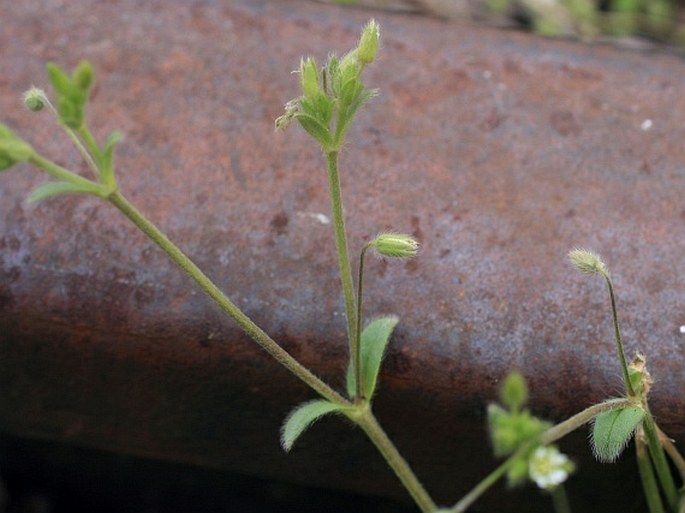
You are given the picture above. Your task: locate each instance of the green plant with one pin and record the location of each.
(331, 97)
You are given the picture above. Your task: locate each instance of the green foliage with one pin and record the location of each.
(12, 149)
(374, 341)
(332, 95)
(514, 392)
(612, 430)
(72, 92)
(49, 189)
(304, 416)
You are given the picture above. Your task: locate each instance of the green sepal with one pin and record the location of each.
(107, 161)
(314, 128)
(612, 430)
(49, 189)
(304, 416)
(372, 345)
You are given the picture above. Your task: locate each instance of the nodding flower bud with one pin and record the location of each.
(587, 262)
(309, 77)
(395, 245)
(35, 99)
(368, 43)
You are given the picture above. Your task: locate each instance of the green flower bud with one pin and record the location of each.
(587, 262)
(368, 43)
(395, 245)
(35, 99)
(309, 76)
(514, 392)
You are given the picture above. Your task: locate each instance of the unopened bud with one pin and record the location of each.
(395, 245)
(587, 262)
(368, 43)
(35, 99)
(309, 76)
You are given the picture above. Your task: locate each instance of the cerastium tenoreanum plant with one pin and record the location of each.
(331, 96)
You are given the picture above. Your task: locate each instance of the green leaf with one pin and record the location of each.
(107, 163)
(314, 128)
(49, 189)
(304, 416)
(12, 149)
(374, 341)
(83, 75)
(59, 79)
(612, 430)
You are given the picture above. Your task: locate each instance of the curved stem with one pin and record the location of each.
(343, 256)
(365, 418)
(358, 328)
(619, 340)
(254, 331)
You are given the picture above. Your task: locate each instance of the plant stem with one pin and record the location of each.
(75, 139)
(673, 453)
(560, 499)
(644, 465)
(551, 435)
(358, 327)
(467, 500)
(61, 173)
(365, 418)
(343, 256)
(617, 334)
(659, 461)
(254, 331)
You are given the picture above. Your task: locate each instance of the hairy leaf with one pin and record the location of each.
(374, 341)
(612, 430)
(304, 416)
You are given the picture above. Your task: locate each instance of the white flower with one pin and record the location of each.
(548, 467)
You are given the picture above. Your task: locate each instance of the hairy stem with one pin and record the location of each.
(365, 418)
(663, 471)
(673, 453)
(343, 256)
(644, 465)
(254, 331)
(619, 340)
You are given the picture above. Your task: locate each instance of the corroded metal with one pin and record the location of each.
(498, 151)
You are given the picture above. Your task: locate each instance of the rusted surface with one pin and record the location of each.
(499, 151)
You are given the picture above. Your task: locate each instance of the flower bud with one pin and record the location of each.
(395, 245)
(35, 99)
(368, 43)
(309, 76)
(587, 262)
